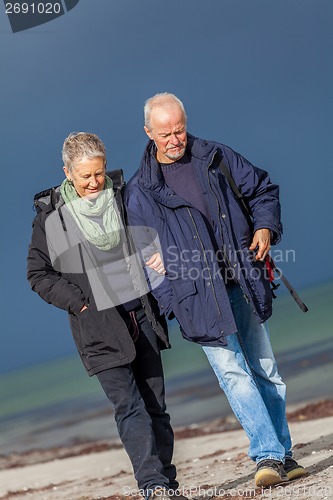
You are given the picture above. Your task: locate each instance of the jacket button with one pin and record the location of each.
(208, 283)
(213, 171)
(195, 236)
(223, 216)
(234, 265)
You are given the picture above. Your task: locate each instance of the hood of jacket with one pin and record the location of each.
(150, 172)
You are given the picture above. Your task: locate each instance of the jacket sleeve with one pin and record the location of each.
(146, 242)
(50, 285)
(260, 194)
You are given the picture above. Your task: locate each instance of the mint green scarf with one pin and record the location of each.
(104, 205)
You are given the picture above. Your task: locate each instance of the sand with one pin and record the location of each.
(211, 462)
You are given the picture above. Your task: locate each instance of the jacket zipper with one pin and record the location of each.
(127, 248)
(227, 261)
(204, 254)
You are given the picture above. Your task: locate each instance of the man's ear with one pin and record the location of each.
(146, 129)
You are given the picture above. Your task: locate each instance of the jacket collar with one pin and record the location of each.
(150, 174)
(150, 177)
(50, 199)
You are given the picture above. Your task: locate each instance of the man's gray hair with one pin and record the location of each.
(80, 145)
(161, 99)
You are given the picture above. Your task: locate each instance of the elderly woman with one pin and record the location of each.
(80, 260)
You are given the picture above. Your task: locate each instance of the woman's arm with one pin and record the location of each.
(44, 280)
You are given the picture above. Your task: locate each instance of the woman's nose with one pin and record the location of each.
(93, 182)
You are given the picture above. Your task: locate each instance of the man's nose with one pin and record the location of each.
(174, 139)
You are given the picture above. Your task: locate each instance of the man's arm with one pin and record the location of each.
(146, 241)
(261, 196)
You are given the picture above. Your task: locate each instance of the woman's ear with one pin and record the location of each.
(65, 169)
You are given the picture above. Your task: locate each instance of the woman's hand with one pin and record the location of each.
(83, 308)
(155, 263)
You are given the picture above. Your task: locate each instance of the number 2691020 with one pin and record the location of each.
(33, 8)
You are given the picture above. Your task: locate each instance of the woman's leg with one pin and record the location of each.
(148, 372)
(134, 426)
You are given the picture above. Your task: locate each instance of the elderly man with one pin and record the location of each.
(215, 282)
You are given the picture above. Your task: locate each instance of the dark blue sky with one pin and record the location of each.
(255, 75)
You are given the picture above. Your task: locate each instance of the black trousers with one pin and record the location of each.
(137, 394)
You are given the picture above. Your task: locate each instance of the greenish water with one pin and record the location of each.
(38, 386)
(55, 402)
(289, 328)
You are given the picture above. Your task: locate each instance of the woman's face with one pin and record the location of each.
(88, 177)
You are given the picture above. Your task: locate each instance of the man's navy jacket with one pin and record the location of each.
(193, 289)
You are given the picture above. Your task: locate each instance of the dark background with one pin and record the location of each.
(255, 75)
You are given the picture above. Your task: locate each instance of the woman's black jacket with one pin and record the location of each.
(57, 271)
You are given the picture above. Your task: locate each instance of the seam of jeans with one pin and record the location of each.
(247, 361)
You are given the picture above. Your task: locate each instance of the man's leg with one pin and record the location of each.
(148, 372)
(239, 385)
(134, 426)
(257, 349)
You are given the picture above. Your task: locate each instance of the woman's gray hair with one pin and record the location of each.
(80, 145)
(161, 99)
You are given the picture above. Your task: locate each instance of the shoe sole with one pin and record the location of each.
(295, 473)
(268, 477)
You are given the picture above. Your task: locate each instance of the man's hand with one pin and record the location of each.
(155, 263)
(261, 243)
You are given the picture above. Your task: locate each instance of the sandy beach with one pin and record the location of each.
(211, 459)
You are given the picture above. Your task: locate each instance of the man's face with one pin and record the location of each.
(168, 131)
(88, 177)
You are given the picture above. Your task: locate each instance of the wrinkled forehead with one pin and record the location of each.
(167, 116)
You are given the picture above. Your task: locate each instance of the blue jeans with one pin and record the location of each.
(247, 372)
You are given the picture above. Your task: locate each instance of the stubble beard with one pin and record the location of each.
(176, 156)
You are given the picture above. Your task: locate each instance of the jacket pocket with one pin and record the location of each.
(185, 289)
(89, 328)
(184, 303)
(196, 313)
